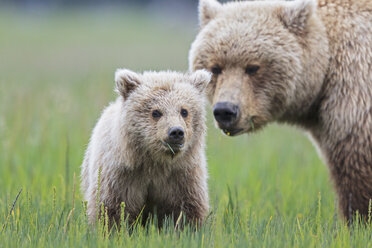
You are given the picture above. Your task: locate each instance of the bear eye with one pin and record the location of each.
(184, 113)
(252, 69)
(156, 114)
(216, 70)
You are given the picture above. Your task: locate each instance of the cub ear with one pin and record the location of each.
(208, 9)
(200, 79)
(295, 15)
(126, 81)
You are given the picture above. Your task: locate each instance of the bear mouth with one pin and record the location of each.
(232, 132)
(173, 148)
(253, 124)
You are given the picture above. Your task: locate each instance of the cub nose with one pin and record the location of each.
(225, 113)
(176, 134)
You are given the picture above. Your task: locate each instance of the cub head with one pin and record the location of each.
(268, 60)
(164, 111)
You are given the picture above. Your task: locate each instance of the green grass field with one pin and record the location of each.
(268, 189)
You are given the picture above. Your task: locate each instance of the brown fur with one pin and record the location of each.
(137, 168)
(315, 72)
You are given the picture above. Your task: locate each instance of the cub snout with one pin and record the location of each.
(176, 135)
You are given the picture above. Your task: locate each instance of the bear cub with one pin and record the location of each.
(148, 149)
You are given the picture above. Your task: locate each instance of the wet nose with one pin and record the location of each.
(225, 113)
(176, 134)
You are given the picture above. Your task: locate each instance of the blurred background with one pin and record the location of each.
(179, 8)
(57, 64)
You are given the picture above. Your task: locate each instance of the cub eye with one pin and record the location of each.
(184, 113)
(156, 114)
(216, 70)
(252, 69)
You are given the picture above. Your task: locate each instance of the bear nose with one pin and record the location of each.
(225, 113)
(176, 134)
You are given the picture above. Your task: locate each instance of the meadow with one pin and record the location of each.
(268, 189)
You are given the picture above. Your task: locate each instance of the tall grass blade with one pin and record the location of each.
(11, 210)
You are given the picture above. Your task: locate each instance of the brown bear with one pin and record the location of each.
(300, 62)
(149, 146)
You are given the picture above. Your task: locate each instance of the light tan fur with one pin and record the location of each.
(315, 71)
(128, 145)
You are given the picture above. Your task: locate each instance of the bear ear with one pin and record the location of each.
(295, 15)
(126, 81)
(208, 9)
(200, 79)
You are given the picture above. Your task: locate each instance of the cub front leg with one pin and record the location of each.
(125, 189)
(194, 196)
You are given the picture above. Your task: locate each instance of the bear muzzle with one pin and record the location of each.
(227, 115)
(176, 135)
(175, 140)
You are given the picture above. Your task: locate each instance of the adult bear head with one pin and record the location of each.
(268, 59)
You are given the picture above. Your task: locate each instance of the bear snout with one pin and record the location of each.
(226, 114)
(176, 135)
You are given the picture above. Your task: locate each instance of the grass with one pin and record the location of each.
(268, 189)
